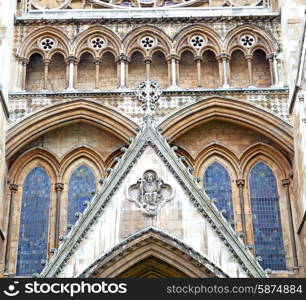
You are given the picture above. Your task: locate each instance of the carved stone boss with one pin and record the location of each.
(150, 193)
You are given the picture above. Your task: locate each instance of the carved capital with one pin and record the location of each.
(47, 61)
(71, 59)
(147, 59)
(240, 182)
(13, 187)
(248, 57)
(223, 57)
(122, 58)
(285, 182)
(24, 61)
(173, 56)
(59, 186)
(198, 58)
(97, 61)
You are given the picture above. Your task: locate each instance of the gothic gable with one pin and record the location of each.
(180, 208)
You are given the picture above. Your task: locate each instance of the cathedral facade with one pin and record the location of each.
(161, 138)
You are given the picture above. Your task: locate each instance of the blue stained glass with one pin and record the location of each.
(266, 218)
(81, 184)
(33, 232)
(217, 184)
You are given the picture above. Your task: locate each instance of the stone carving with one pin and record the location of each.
(148, 93)
(247, 40)
(47, 44)
(150, 193)
(147, 42)
(197, 41)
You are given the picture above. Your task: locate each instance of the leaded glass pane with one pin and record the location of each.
(33, 232)
(266, 218)
(82, 183)
(217, 184)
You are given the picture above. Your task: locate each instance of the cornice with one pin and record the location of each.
(145, 16)
(165, 92)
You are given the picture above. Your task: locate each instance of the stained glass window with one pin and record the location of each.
(81, 184)
(266, 218)
(217, 184)
(33, 232)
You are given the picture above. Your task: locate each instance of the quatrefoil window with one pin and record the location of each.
(47, 44)
(147, 42)
(247, 40)
(197, 41)
(97, 43)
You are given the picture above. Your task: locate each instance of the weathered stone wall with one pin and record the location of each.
(293, 22)
(57, 73)
(108, 72)
(239, 70)
(35, 73)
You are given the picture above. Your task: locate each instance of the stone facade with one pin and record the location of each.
(227, 70)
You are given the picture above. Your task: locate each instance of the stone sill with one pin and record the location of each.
(148, 13)
(166, 92)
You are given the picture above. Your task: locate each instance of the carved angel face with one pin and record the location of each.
(149, 177)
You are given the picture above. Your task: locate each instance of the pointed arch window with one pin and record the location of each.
(217, 184)
(266, 217)
(81, 184)
(34, 219)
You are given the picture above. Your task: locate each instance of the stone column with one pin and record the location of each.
(223, 61)
(249, 61)
(198, 60)
(225, 66)
(240, 183)
(122, 60)
(275, 70)
(13, 189)
(25, 61)
(286, 183)
(59, 188)
(173, 59)
(97, 83)
(46, 62)
(71, 61)
(148, 60)
(20, 74)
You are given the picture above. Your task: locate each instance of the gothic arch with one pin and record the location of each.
(39, 154)
(263, 40)
(28, 46)
(152, 243)
(71, 163)
(216, 152)
(82, 152)
(230, 110)
(163, 42)
(270, 155)
(82, 41)
(213, 39)
(18, 172)
(62, 114)
(276, 168)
